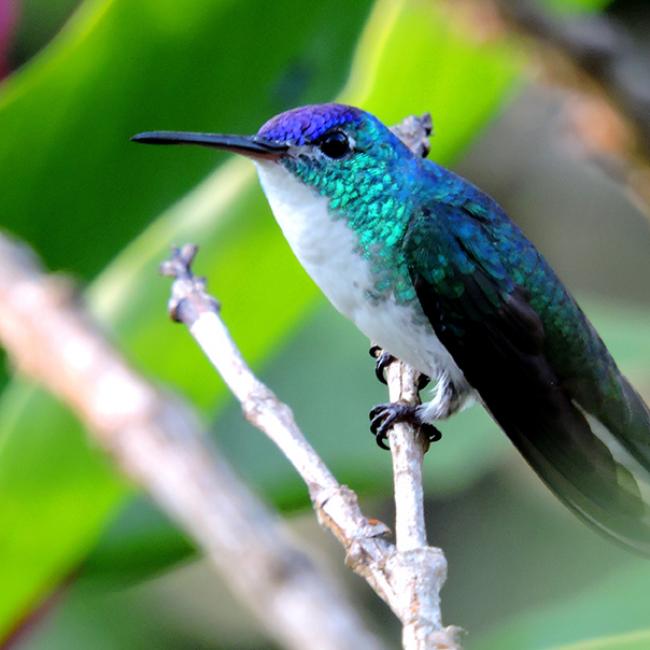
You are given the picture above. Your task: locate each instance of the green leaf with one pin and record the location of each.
(634, 641)
(428, 64)
(54, 484)
(79, 189)
(39, 21)
(44, 457)
(613, 605)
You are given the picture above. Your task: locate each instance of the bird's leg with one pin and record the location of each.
(384, 416)
(446, 400)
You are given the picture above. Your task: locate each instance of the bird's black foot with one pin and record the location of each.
(384, 359)
(384, 416)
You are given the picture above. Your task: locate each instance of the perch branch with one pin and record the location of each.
(157, 441)
(425, 567)
(407, 577)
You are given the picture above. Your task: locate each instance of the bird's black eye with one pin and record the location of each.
(335, 144)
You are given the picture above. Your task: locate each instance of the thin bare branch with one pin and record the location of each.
(425, 567)
(157, 441)
(407, 577)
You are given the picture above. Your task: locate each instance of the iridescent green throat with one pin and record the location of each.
(372, 190)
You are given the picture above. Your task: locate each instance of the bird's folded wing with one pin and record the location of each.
(485, 320)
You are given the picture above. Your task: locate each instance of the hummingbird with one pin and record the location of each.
(433, 271)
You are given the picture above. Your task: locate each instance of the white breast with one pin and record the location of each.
(327, 250)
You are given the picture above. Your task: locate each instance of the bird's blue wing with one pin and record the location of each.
(503, 315)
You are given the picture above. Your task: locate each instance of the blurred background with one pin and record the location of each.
(88, 562)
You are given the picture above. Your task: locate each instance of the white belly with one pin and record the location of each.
(327, 250)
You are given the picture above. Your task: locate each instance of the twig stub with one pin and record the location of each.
(414, 132)
(189, 297)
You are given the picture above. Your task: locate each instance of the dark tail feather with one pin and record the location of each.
(601, 474)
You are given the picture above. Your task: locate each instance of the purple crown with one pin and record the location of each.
(307, 123)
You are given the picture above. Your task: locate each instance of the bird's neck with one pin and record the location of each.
(364, 222)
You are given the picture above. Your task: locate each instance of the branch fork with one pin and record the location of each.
(407, 575)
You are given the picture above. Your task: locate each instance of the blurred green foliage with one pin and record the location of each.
(634, 641)
(38, 24)
(575, 6)
(618, 603)
(86, 199)
(92, 87)
(120, 67)
(226, 214)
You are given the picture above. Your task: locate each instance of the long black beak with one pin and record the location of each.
(247, 145)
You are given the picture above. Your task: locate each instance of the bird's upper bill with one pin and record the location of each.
(298, 127)
(251, 146)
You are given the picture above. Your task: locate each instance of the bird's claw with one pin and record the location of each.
(432, 434)
(384, 359)
(384, 416)
(423, 382)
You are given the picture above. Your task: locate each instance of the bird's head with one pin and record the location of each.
(341, 151)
